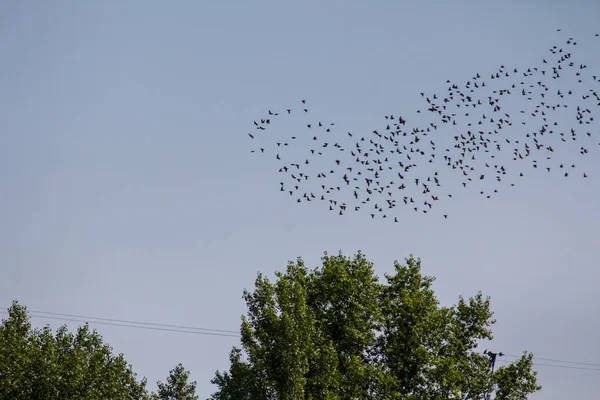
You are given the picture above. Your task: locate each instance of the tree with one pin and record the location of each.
(335, 332)
(177, 386)
(35, 364)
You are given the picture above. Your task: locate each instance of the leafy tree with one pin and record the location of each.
(177, 386)
(335, 332)
(35, 364)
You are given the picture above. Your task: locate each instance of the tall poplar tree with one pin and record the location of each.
(336, 332)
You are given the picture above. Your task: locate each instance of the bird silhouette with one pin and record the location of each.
(475, 129)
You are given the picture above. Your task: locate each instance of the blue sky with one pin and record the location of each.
(129, 190)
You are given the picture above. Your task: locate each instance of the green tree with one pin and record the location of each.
(177, 386)
(36, 364)
(335, 332)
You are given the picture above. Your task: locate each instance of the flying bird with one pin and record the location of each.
(472, 131)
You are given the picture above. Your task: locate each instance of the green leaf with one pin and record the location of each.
(335, 332)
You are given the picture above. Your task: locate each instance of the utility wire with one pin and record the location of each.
(557, 366)
(231, 333)
(134, 326)
(560, 361)
(135, 322)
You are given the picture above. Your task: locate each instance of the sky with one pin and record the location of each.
(129, 190)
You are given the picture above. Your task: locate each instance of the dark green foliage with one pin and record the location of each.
(337, 333)
(37, 364)
(177, 386)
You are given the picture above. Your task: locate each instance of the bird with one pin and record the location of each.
(486, 128)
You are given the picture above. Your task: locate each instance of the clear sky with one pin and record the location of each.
(129, 190)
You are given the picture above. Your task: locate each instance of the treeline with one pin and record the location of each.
(41, 364)
(333, 332)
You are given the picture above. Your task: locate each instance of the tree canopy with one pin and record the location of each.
(335, 332)
(177, 386)
(37, 364)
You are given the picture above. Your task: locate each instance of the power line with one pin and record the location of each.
(134, 326)
(559, 361)
(136, 322)
(556, 366)
(231, 333)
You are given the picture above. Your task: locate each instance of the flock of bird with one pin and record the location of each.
(468, 132)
